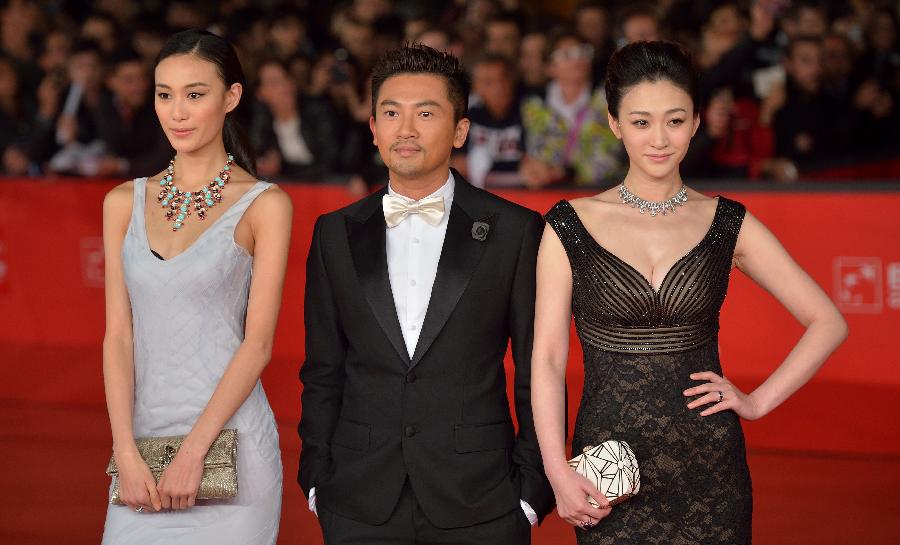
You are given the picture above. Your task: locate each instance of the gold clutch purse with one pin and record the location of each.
(219, 479)
(612, 467)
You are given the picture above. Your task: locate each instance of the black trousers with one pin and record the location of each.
(408, 525)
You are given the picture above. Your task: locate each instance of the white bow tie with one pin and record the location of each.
(396, 209)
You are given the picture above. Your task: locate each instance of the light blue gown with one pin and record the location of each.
(188, 316)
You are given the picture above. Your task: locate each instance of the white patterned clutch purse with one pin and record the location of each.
(612, 468)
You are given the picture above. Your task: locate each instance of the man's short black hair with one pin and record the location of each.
(416, 58)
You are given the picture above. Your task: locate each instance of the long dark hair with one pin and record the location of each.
(218, 51)
(649, 61)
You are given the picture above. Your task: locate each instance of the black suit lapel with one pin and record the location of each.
(366, 234)
(460, 256)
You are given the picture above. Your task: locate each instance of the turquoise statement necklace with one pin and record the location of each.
(178, 203)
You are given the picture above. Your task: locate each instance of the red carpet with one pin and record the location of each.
(54, 455)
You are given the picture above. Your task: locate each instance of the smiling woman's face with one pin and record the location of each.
(655, 123)
(192, 101)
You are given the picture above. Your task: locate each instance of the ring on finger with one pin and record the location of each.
(721, 396)
(139, 509)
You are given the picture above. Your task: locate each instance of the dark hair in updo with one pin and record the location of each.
(222, 54)
(641, 62)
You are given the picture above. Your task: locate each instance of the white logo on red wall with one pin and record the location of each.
(92, 262)
(893, 282)
(857, 284)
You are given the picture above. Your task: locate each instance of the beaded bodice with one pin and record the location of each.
(617, 310)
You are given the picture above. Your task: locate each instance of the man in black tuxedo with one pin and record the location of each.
(413, 295)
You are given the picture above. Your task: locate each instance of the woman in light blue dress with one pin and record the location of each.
(195, 263)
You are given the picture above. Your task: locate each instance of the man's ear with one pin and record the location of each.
(462, 131)
(374, 131)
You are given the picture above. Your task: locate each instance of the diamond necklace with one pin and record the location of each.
(660, 207)
(178, 203)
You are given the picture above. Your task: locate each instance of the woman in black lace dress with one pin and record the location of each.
(645, 288)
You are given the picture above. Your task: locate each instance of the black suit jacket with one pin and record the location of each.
(373, 416)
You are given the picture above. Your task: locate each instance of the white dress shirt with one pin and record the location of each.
(413, 252)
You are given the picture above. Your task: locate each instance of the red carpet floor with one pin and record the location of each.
(54, 488)
(825, 466)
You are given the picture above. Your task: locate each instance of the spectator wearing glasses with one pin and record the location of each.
(567, 132)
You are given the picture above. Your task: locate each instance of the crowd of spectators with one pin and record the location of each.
(786, 86)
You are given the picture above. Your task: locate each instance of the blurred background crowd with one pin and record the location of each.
(787, 87)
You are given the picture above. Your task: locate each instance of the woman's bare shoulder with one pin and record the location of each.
(594, 205)
(120, 196)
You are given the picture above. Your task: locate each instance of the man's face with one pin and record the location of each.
(288, 34)
(812, 21)
(414, 125)
(85, 69)
(531, 61)
(357, 39)
(502, 38)
(838, 59)
(805, 66)
(276, 88)
(640, 28)
(492, 82)
(591, 24)
(101, 31)
(130, 83)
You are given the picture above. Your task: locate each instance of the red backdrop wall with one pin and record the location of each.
(51, 299)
